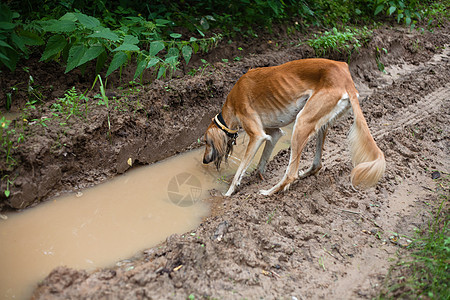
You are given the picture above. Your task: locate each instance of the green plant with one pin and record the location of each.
(41, 121)
(201, 68)
(436, 13)
(404, 10)
(72, 104)
(335, 40)
(104, 99)
(34, 95)
(426, 273)
(14, 38)
(378, 58)
(271, 215)
(8, 183)
(78, 38)
(6, 142)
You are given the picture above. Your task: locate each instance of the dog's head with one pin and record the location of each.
(217, 145)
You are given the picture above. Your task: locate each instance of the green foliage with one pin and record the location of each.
(14, 39)
(404, 11)
(335, 40)
(104, 98)
(78, 39)
(72, 104)
(426, 274)
(111, 33)
(6, 142)
(436, 13)
(378, 54)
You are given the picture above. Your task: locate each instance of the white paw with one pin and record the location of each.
(286, 188)
(265, 192)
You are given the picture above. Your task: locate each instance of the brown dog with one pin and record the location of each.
(312, 93)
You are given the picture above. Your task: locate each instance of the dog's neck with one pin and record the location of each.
(230, 118)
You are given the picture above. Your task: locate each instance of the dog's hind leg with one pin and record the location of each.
(317, 162)
(275, 134)
(320, 109)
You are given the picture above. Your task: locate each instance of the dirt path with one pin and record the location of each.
(321, 239)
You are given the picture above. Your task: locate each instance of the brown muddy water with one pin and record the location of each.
(112, 221)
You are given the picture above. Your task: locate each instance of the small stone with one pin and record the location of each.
(435, 175)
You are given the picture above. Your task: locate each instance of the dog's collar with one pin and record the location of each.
(220, 122)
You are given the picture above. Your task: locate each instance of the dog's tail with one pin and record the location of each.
(368, 160)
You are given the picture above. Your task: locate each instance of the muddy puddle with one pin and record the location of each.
(113, 221)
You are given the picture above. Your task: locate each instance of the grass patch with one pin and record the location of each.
(348, 40)
(425, 274)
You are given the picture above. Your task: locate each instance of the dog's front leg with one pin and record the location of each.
(252, 147)
(275, 135)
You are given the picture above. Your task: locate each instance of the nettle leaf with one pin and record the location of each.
(173, 52)
(130, 39)
(161, 72)
(392, 10)
(69, 16)
(55, 45)
(87, 21)
(378, 9)
(5, 44)
(100, 62)
(140, 68)
(126, 47)
(19, 42)
(105, 33)
(119, 59)
(7, 25)
(172, 61)
(195, 47)
(152, 62)
(76, 53)
(175, 35)
(30, 38)
(408, 21)
(156, 47)
(92, 53)
(187, 53)
(161, 22)
(60, 26)
(204, 23)
(3, 56)
(11, 58)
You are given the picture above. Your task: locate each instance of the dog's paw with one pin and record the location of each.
(304, 174)
(286, 187)
(265, 192)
